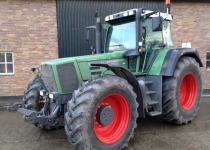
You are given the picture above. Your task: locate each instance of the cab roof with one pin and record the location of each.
(131, 14)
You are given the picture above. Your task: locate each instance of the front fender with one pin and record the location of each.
(127, 75)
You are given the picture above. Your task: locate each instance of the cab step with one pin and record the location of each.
(151, 87)
(148, 82)
(151, 103)
(154, 113)
(150, 92)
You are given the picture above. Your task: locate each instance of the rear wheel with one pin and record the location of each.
(182, 92)
(101, 114)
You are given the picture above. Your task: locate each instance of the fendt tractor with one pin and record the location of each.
(98, 97)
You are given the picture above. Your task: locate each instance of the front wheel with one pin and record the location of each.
(31, 95)
(101, 114)
(182, 92)
(31, 101)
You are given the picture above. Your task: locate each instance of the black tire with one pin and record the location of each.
(31, 95)
(182, 92)
(31, 100)
(81, 109)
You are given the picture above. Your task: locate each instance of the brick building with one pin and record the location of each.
(29, 36)
(192, 24)
(28, 31)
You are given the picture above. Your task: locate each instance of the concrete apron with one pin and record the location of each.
(151, 134)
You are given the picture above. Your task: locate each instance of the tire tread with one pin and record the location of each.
(170, 111)
(77, 109)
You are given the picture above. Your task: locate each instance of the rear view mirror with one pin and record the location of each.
(87, 34)
(88, 31)
(157, 23)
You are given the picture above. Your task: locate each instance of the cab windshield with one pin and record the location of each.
(121, 37)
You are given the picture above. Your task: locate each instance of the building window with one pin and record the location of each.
(6, 63)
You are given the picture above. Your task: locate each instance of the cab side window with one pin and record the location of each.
(150, 39)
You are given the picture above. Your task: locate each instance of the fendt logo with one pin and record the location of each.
(47, 74)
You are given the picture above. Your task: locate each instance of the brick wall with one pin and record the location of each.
(29, 30)
(192, 24)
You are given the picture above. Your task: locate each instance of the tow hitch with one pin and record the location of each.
(36, 117)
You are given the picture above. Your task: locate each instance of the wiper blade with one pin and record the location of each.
(162, 45)
(115, 45)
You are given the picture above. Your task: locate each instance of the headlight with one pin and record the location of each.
(51, 96)
(55, 96)
(42, 92)
(111, 17)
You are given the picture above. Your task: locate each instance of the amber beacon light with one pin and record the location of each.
(168, 2)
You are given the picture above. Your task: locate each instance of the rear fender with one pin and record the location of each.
(173, 56)
(127, 75)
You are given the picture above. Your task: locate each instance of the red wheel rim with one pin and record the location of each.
(113, 131)
(188, 91)
(42, 104)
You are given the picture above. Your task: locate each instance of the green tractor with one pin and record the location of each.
(98, 97)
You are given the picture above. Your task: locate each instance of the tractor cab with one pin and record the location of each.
(142, 36)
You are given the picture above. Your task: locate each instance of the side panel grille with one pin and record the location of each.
(68, 77)
(48, 77)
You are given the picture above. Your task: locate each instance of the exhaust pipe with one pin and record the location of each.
(98, 34)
